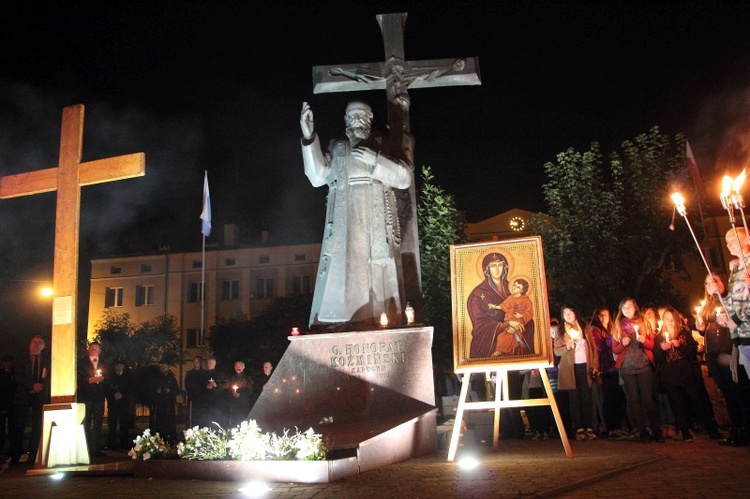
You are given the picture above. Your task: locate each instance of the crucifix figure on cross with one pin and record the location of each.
(397, 75)
(67, 179)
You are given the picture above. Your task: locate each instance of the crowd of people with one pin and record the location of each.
(211, 395)
(636, 372)
(638, 375)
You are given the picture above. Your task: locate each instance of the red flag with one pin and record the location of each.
(692, 166)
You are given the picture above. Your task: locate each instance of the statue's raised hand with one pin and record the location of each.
(306, 121)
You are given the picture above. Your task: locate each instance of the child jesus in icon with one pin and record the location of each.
(517, 307)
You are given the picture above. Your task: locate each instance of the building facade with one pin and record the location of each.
(237, 281)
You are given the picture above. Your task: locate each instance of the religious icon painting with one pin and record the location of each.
(500, 306)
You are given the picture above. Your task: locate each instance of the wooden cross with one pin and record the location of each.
(67, 179)
(396, 76)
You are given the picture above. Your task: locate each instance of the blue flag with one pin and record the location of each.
(206, 213)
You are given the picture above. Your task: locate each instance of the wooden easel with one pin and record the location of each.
(502, 400)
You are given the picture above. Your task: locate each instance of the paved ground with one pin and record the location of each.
(601, 468)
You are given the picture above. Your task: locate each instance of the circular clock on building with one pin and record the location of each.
(517, 224)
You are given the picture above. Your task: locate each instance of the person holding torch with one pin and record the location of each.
(737, 302)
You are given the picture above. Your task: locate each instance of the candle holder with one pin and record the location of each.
(409, 312)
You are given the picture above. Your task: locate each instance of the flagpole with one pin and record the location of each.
(206, 231)
(203, 292)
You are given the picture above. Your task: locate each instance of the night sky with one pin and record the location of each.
(218, 86)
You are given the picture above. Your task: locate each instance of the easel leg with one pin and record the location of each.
(500, 381)
(465, 382)
(556, 413)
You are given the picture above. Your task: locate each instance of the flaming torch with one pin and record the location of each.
(679, 203)
(731, 199)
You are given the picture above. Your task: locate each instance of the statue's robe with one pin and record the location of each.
(359, 274)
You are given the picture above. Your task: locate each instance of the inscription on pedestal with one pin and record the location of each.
(360, 359)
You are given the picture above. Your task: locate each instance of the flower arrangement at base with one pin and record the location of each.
(309, 446)
(203, 444)
(248, 443)
(148, 446)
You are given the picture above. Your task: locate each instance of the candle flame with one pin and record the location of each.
(383, 319)
(726, 186)
(678, 199)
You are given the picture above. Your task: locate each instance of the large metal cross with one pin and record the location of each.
(67, 179)
(396, 76)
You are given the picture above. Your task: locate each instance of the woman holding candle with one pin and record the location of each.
(578, 370)
(653, 316)
(612, 396)
(633, 343)
(674, 355)
(711, 321)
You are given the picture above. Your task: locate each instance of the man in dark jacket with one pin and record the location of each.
(32, 392)
(91, 393)
(164, 390)
(119, 405)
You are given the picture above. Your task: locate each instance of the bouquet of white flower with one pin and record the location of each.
(149, 446)
(203, 444)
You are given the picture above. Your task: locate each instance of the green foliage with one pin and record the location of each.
(114, 333)
(140, 345)
(441, 224)
(606, 234)
(262, 338)
(156, 340)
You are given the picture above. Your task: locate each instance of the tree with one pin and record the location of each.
(261, 338)
(605, 236)
(156, 340)
(441, 224)
(114, 333)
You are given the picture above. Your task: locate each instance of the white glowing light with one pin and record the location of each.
(57, 476)
(255, 488)
(468, 463)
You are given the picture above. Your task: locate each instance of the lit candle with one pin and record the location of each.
(658, 327)
(409, 311)
(718, 311)
(235, 388)
(295, 331)
(666, 336)
(98, 372)
(698, 310)
(636, 331)
(383, 319)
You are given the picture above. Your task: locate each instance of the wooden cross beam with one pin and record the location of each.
(67, 179)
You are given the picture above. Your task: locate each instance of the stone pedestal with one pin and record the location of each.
(63, 438)
(370, 393)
